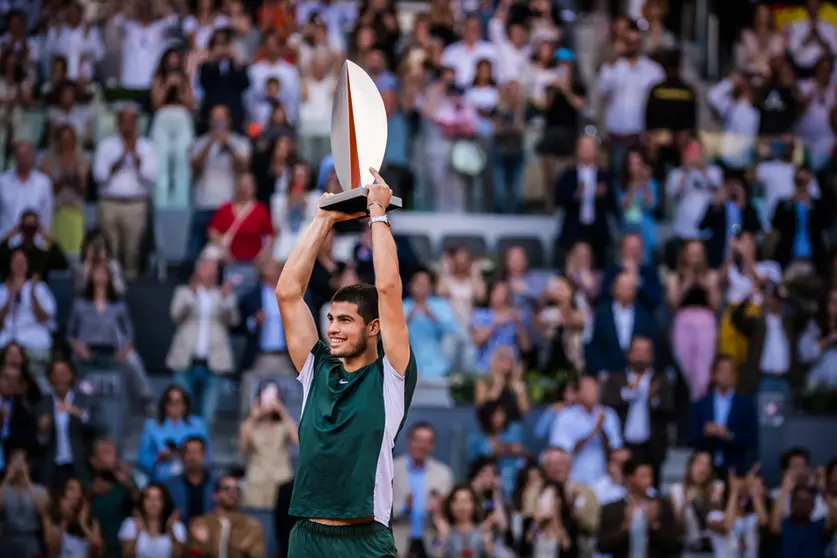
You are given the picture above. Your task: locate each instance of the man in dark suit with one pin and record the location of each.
(267, 351)
(17, 424)
(644, 401)
(67, 424)
(584, 192)
(614, 326)
(223, 81)
(640, 524)
(729, 214)
(798, 225)
(632, 259)
(725, 422)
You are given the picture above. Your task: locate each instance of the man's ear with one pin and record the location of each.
(374, 327)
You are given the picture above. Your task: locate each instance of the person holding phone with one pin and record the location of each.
(23, 507)
(264, 437)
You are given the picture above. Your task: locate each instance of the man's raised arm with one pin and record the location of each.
(394, 332)
(300, 330)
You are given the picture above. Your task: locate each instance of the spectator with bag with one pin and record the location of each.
(241, 229)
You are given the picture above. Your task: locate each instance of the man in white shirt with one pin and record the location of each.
(81, 44)
(463, 55)
(624, 86)
(692, 187)
(644, 402)
(512, 44)
(585, 431)
(273, 65)
(812, 39)
(125, 166)
(144, 40)
(777, 177)
(67, 421)
(24, 188)
(217, 158)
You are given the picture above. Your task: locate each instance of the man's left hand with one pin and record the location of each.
(379, 192)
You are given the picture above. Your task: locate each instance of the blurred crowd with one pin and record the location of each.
(694, 271)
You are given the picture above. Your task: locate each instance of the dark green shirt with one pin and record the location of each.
(347, 432)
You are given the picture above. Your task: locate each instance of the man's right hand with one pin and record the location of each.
(260, 318)
(333, 216)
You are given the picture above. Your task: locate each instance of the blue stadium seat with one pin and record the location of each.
(476, 244)
(171, 235)
(421, 246)
(531, 245)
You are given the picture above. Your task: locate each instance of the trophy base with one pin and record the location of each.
(354, 201)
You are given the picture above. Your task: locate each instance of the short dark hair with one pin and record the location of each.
(364, 296)
(796, 451)
(199, 439)
(722, 357)
(633, 464)
(422, 425)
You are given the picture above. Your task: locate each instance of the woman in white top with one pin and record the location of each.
(155, 531)
(27, 312)
(819, 97)
(693, 500)
(733, 99)
(541, 73)
(483, 93)
(761, 43)
(315, 109)
(72, 532)
(206, 19)
(736, 530)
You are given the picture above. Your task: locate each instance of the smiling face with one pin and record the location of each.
(348, 333)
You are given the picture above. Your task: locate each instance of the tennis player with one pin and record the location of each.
(355, 398)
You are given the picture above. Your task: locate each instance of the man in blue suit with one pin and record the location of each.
(585, 195)
(615, 324)
(267, 351)
(725, 422)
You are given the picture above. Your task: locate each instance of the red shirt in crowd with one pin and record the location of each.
(248, 240)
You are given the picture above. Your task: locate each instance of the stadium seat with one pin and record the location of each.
(171, 236)
(421, 245)
(531, 245)
(476, 244)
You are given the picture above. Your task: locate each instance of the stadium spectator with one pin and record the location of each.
(66, 421)
(223, 80)
(125, 167)
(461, 525)
(693, 296)
(499, 439)
(81, 44)
(615, 325)
(641, 524)
(432, 322)
(585, 432)
(193, 488)
(728, 214)
(564, 318)
(69, 169)
(41, 249)
(631, 260)
(112, 493)
(693, 500)
(504, 385)
(25, 188)
(761, 43)
(318, 86)
(95, 250)
(644, 401)
(418, 479)
(217, 157)
(155, 531)
(200, 351)
(639, 199)
(71, 530)
(27, 313)
(69, 108)
(23, 506)
(18, 422)
(585, 194)
(101, 333)
(725, 422)
(500, 324)
(241, 229)
(165, 436)
(226, 526)
(818, 344)
(579, 269)
(172, 130)
(144, 39)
